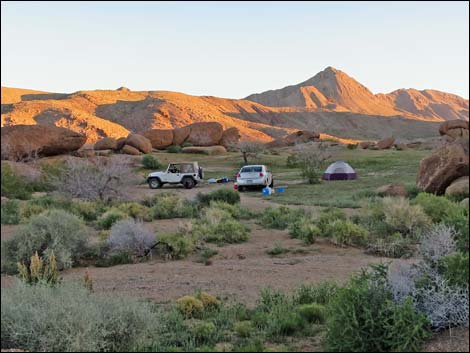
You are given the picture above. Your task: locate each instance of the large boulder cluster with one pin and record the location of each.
(446, 170)
(301, 136)
(25, 141)
(197, 134)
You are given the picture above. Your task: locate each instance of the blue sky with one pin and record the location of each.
(233, 49)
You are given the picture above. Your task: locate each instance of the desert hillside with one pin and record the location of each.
(331, 102)
(334, 91)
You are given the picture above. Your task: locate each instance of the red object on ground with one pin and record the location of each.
(235, 186)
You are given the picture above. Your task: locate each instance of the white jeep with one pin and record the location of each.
(188, 174)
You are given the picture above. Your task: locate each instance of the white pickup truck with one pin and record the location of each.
(188, 174)
(254, 175)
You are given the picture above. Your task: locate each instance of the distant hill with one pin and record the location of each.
(331, 102)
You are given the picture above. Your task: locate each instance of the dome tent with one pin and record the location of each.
(339, 171)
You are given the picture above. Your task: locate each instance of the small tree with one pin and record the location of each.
(94, 179)
(251, 150)
(311, 160)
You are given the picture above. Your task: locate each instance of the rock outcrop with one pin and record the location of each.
(180, 135)
(301, 136)
(106, 143)
(230, 138)
(127, 149)
(21, 141)
(459, 187)
(159, 138)
(448, 163)
(205, 133)
(386, 143)
(139, 142)
(454, 129)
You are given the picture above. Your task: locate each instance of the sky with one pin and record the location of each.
(233, 49)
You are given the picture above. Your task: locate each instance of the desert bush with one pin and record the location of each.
(170, 205)
(178, 245)
(403, 217)
(202, 331)
(304, 229)
(229, 196)
(190, 306)
(206, 254)
(346, 233)
(437, 242)
(320, 293)
(311, 161)
(150, 162)
(455, 269)
(362, 317)
(10, 212)
(101, 179)
(53, 231)
(220, 227)
(458, 219)
(436, 207)
(174, 149)
(13, 185)
(39, 271)
(292, 161)
(130, 236)
(135, 210)
(351, 146)
(69, 318)
(277, 250)
(209, 301)
(312, 313)
(235, 210)
(88, 210)
(280, 217)
(243, 329)
(29, 209)
(328, 216)
(394, 246)
(110, 217)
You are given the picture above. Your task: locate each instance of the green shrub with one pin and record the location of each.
(292, 161)
(280, 217)
(458, 218)
(53, 231)
(328, 216)
(190, 306)
(174, 149)
(403, 217)
(29, 209)
(209, 301)
(13, 185)
(351, 146)
(220, 227)
(455, 269)
(394, 246)
(202, 331)
(236, 211)
(243, 329)
(320, 293)
(206, 254)
(436, 207)
(313, 313)
(178, 245)
(10, 212)
(363, 318)
(304, 229)
(110, 217)
(88, 210)
(135, 210)
(346, 233)
(69, 318)
(150, 162)
(278, 249)
(115, 258)
(229, 196)
(170, 205)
